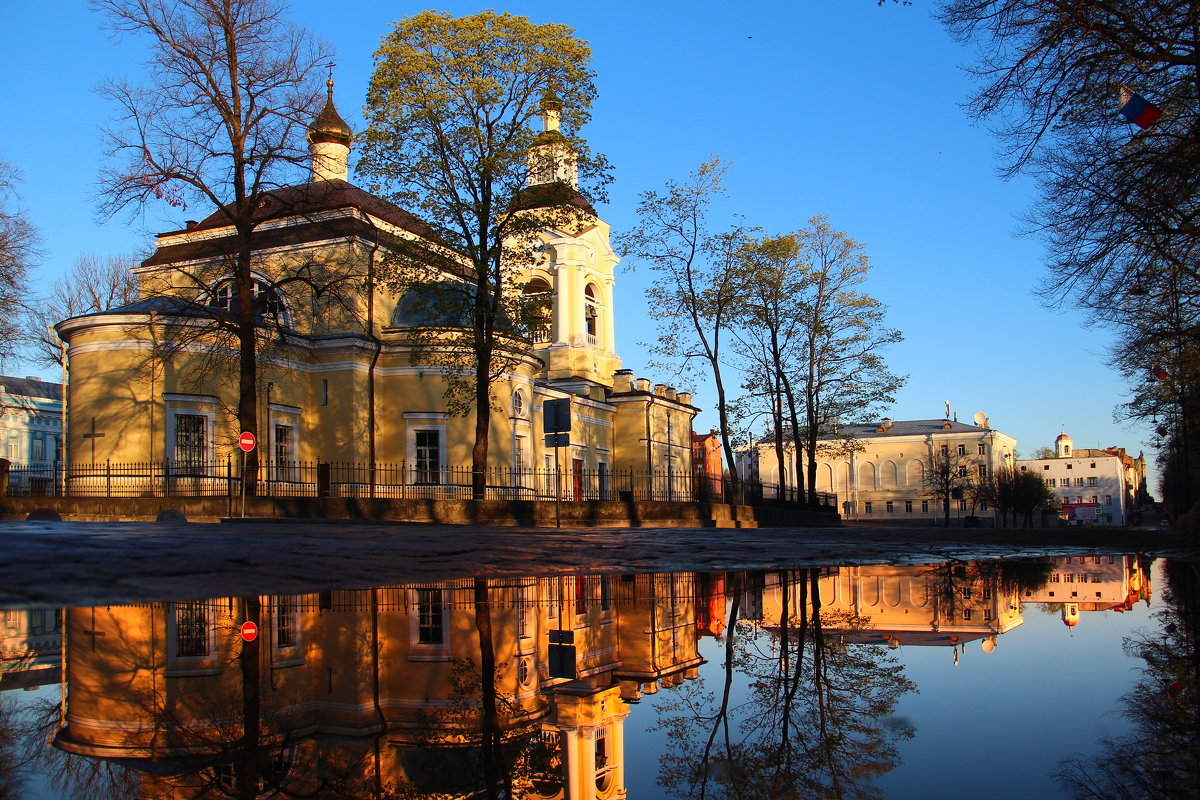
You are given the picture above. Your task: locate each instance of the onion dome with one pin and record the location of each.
(329, 125)
(550, 101)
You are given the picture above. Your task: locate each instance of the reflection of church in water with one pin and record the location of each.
(377, 693)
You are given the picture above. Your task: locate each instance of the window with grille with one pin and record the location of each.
(190, 441)
(285, 623)
(191, 629)
(428, 449)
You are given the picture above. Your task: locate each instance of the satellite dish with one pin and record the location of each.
(981, 420)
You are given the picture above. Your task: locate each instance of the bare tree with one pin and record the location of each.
(94, 283)
(950, 476)
(696, 293)
(449, 110)
(1118, 206)
(18, 250)
(231, 87)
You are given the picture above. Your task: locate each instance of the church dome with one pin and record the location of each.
(329, 125)
(1062, 437)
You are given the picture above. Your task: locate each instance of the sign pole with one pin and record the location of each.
(557, 489)
(246, 443)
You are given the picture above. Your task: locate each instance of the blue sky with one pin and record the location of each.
(838, 107)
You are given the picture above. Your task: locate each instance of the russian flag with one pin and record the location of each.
(1138, 110)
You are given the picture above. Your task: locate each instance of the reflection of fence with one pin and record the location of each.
(396, 481)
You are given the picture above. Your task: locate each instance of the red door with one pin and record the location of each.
(577, 477)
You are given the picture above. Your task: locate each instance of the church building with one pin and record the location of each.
(339, 376)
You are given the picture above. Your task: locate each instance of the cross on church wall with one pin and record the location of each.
(93, 436)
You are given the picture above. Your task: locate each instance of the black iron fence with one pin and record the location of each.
(398, 481)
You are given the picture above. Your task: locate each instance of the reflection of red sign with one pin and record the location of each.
(249, 631)
(246, 441)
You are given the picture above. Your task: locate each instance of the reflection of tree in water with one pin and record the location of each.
(815, 718)
(1160, 756)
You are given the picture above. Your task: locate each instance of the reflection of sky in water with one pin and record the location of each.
(994, 726)
(998, 723)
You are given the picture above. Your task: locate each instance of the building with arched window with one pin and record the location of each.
(878, 470)
(339, 377)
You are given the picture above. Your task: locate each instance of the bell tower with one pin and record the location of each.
(574, 271)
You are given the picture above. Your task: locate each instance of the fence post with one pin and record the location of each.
(108, 477)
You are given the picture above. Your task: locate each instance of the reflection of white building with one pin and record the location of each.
(1093, 583)
(30, 647)
(1091, 485)
(920, 605)
(877, 470)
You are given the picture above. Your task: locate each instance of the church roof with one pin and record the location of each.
(305, 200)
(904, 427)
(547, 195)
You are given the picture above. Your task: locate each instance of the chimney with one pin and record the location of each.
(642, 384)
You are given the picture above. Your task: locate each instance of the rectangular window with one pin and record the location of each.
(962, 470)
(1093, 465)
(429, 617)
(1051, 482)
(191, 442)
(1055, 578)
(1095, 577)
(890, 509)
(966, 613)
(39, 449)
(945, 449)
(867, 507)
(1070, 466)
(924, 506)
(1095, 499)
(1069, 577)
(14, 446)
(1079, 481)
(1091, 480)
(987, 614)
(191, 629)
(962, 505)
(962, 449)
(908, 506)
(1045, 466)
(1108, 499)
(284, 452)
(983, 449)
(983, 470)
(285, 623)
(428, 466)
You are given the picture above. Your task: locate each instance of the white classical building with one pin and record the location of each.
(1090, 485)
(877, 470)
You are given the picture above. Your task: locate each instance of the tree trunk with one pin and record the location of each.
(247, 335)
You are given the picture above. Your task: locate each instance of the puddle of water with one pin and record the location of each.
(920, 681)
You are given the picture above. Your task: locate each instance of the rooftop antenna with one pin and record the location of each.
(947, 409)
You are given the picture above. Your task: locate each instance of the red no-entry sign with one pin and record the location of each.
(246, 441)
(249, 631)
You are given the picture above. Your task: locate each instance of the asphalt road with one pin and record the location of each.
(81, 563)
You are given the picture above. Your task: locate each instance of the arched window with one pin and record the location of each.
(591, 314)
(269, 306)
(537, 294)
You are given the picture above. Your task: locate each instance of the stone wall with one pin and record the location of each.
(590, 513)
